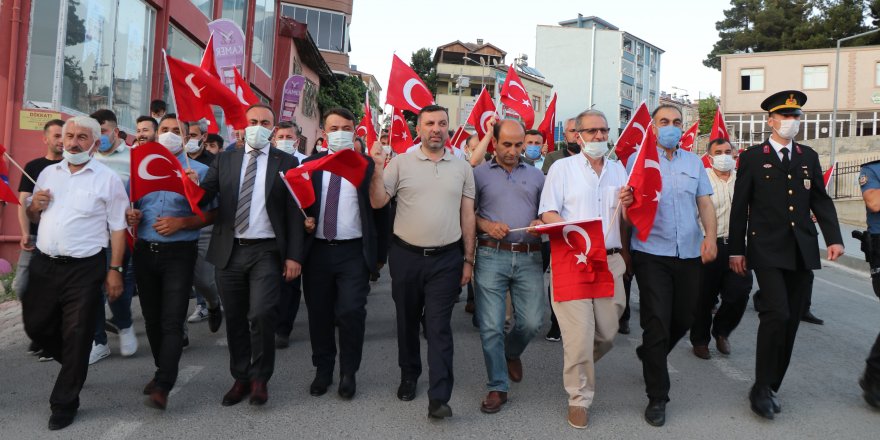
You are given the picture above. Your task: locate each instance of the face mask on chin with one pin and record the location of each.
(573, 147)
(77, 158)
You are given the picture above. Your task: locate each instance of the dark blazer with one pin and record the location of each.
(368, 215)
(771, 207)
(224, 180)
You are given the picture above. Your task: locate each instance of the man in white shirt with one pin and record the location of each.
(582, 186)
(80, 205)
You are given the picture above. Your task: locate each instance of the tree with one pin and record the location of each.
(347, 93)
(706, 108)
(422, 62)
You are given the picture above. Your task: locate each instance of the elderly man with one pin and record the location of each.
(434, 223)
(81, 204)
(508, 191)
(580, 187)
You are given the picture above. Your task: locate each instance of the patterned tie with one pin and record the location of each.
(786, 163)
(331, 207)
(243, 212)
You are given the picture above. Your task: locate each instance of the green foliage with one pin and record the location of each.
(347, 92)
(706, 108)
(422, 62)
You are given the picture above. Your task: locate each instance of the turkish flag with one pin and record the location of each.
(195, 90)
(154, 168)
(719, 130)
(483, 109)
(243, 90)
(548, 125)
(647, 184)
(689, 138)
(348, 164)
(514, 95)
(826, 177)
(459, 138)
(208, 64)
(406, 90)
(633, 134)
(400, 138)
(578, 260)
(365, 128)
(6, 193)
(706, 163)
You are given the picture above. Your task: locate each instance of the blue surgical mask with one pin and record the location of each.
(668, 136)
(533, 152)
(106, 145)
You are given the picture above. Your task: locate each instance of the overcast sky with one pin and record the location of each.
(684, 29)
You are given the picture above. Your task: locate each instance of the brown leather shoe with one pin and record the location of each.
(237, 393)
(470, 307)
(722, 344)
(148, 388)
(259, 392)
(514, 369)
(578, 417)
(702, 351)
(493, 401)
(158, 398)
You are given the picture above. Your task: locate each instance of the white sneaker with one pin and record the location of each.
(99, 351)
(128, 343)
(199, 315)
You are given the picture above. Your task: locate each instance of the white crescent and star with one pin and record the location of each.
(483, 117)
(189, 82)
(639, 127)
(407, 91)
(519, 86)
(650, 163)
(582, 257)
(142, 168)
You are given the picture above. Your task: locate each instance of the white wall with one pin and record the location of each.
(559, 52)
(609, 51)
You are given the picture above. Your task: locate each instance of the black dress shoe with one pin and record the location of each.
(438, 409)
(240, 389)
(871, 391)
(811, 318)
(407, 390)
(347, 386)
(623, 328)
(320, 384)
(60, 421)
(655, 413)
(215, 318)
(761, 403)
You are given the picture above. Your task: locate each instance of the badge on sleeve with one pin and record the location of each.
(807, 184)
(863, 179)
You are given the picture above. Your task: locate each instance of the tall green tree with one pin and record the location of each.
(347, 92)
(422, 62)
(706, 108)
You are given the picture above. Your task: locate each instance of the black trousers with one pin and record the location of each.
(336, 282)
(288, 305)
(430, 284)
(717, 278)
(668, 292)
(250, 290)
(58, 309)
(627, 288)
(780, 304)
(164, 279)
(873, 362)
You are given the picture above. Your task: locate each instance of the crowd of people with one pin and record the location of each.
(442, 219)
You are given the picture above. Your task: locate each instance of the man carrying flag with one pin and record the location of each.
(585, 186)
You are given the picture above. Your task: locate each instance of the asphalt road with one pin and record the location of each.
(820, 396)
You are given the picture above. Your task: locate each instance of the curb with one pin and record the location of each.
(855, 262)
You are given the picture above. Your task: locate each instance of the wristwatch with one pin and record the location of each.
(117, 268)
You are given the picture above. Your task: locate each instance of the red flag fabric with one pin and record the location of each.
(689, 138)
(646, 184)
(484, 108)
(633, 134)
(828, 173)
(706, 163)
(348, 164)
(154, 168)
(406, 90)
(208, 64)
(6, 193)
(719, 130)
(514, 95)
(401, 138)
(579, 262)
(243, 90)
(548, 125)
(365, 128)
(195, 90)
(459, 138)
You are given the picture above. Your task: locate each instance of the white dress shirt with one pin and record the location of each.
(259, 225)
(722, 197)
(348, 214)
(85, 207)
(576, 192)
(777, 146)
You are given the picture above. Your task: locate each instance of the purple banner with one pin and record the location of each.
(228, 49)
(290, 96)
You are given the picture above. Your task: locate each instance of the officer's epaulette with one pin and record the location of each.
(870, 163)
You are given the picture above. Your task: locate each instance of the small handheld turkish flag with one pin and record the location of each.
(647, 184)
(633, 134)
(719, 130)
(154, 168)
(401, 139)
(482, 111)
(514, 95)
(829, 173)
(548, 125)
(459, 139)
(348, 164)
(406, 90)
(579, 261)
(689, 138)
(365, 128)
(195, 90)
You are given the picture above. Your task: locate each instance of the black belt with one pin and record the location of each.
(337, 242)
(722, 240)
(511, 247)
(427, 251)
(251, 241)
(171, 246)
(613, 251)
(62, 259)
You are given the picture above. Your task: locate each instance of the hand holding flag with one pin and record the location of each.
(579, 262)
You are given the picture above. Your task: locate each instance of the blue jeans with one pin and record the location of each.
(496, 273)
(121, 308)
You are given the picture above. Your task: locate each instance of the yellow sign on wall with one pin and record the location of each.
(35, 119)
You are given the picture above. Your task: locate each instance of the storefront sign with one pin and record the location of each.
(35, 119)
(228, 49)
(290, 96)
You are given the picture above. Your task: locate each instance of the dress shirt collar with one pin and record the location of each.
(493, 163)
(662, 152)
(778, 147)
(248, 149)
(65, 165)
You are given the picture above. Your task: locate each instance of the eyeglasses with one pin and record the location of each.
(592, 131)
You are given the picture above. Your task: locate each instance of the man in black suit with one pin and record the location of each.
(341, 254)
(778, 183)
(257, 235)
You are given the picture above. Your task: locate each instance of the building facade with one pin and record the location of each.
(593, 64)
(746, 79)
(689, 109)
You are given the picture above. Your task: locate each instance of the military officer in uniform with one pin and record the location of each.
(778, 183)
(869, 180)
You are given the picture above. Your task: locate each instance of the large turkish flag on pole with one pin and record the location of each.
(514, 95)
(154, 168)
(406, 90)
(195, 90)
(719, 130)
(483, 109)
(689, 138)
(633, 134)
(647, 184)
(578, 260)
(548, 125)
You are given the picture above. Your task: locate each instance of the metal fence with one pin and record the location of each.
(845, 181)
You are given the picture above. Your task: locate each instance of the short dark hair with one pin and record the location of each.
(214, 137)
(104, 115)
(288, 124)
(53, 123)
(431, 109)
(261, 105)
(535, 133)
(496, 130)
(717, 141)
(662, 106)
(157, 105)
(338, 111)
(150, 119)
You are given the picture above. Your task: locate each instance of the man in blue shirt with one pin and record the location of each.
(165, 256)
(667, 265)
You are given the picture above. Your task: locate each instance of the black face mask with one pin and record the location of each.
(574, 147)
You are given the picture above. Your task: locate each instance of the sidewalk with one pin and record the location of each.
(11, 328)
(853, 258)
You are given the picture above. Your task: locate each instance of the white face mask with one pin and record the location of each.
(340, 140)
(595, 149)
(172, 142)
(386, 149)
(192, 146)
(723, 162)
(789, 128)
(77, 158)
(257, 136)
(286, 145)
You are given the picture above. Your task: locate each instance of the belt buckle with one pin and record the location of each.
(426, 252)
(514, 248)
(154, 247)
(241, 241)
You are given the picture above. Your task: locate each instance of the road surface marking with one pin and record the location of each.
(185, 375)
(838, 286)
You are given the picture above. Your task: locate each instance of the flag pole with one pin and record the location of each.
(280, 173)
(23, 172)
(173, 99)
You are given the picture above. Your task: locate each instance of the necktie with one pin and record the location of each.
(786, 163)
(243, 212)
(331, 207)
